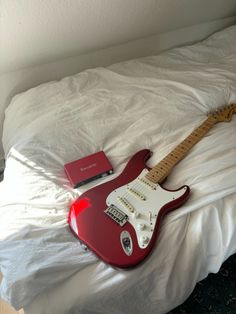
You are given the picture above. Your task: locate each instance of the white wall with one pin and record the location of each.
(45, 40)
(42, 31)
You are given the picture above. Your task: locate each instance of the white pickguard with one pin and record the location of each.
(141, 200)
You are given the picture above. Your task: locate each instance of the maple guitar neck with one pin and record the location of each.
(159, 172)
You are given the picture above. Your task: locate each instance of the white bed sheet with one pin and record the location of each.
(154, 103)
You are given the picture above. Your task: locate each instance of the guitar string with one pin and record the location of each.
(136, 185)
(126, 195)
(199, 132)
(177, 154)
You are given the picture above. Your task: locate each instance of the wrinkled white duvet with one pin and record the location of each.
(154, 103)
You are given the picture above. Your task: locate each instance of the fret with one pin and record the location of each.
(159, 172)
(167, 162)
(180, 149)
(164, 166)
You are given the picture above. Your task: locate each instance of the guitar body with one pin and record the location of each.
(120, 219)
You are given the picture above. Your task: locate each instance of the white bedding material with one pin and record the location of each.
(154, 103)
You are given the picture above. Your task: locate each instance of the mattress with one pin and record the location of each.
(153, 102)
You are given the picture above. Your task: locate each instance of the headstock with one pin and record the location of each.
(224, 114)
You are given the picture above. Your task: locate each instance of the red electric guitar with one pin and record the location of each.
(119, 220)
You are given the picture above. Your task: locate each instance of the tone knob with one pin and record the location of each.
(144, 239)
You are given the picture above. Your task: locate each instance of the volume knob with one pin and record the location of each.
(141, 226)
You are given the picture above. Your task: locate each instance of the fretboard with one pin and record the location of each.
(158, 173)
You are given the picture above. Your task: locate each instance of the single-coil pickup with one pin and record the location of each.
(126, 204)
(148, 183)
(137, 193)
